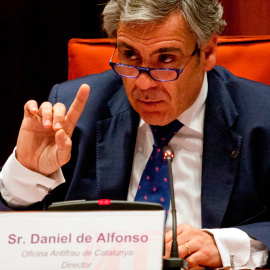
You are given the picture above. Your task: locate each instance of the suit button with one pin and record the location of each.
(234, 154)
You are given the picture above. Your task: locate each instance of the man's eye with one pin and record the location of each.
(130, 55)
(166, 58)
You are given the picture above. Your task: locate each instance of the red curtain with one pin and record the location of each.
(247, 17)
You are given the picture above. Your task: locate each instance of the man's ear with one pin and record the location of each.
(209, 53)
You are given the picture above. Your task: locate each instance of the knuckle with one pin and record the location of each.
(29, 104)
(46, 104)
(59, 106)
(46, 108)
(58, 116)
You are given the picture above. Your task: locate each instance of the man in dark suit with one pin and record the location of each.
(166, 62)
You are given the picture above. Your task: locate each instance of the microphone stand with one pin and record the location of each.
(174, 262)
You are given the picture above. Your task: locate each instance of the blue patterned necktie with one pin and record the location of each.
(155, 185)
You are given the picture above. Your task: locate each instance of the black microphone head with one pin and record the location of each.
(168, 152)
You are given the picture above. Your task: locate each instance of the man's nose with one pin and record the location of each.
(144, 81)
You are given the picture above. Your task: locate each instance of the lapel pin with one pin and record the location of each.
(234, 154)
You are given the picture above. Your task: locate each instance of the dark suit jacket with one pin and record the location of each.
(236, 154)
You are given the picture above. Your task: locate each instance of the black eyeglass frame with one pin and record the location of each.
(148, 70)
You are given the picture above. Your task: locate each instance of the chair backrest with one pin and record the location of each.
(244, 56)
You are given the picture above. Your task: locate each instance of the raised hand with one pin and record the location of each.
(44, 141)
(197, 247)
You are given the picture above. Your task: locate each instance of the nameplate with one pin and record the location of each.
(112, 240)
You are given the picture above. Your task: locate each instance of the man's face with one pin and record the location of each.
(161, 45)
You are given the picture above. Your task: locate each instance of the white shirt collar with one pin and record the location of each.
(193, 117)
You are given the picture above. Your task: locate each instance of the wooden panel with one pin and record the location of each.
(247, 17)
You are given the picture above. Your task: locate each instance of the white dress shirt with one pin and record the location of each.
(187, 145)
(22, 187)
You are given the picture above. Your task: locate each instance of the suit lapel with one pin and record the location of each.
(221, 152)
(116, 138)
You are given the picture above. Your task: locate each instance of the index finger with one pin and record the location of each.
(76, 108)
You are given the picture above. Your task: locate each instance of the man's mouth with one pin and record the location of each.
(149, 104)
(150, 101)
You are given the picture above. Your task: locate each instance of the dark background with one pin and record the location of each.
(33, 44)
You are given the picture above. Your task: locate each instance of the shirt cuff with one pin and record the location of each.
(233, 245)
(22, 184)
(238, 250)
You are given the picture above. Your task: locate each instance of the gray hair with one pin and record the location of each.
(204, 17)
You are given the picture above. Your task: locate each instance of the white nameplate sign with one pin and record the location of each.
(112, 240)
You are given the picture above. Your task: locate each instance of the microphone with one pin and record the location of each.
(174, 262)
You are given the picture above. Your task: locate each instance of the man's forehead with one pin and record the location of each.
(159, 40)
(173, 28)
(164, 49)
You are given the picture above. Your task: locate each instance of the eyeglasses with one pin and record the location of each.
(157, 74)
